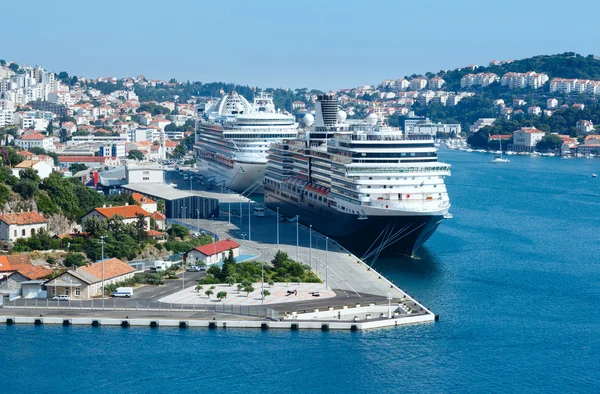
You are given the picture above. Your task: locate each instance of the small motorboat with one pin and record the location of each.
(594, 175)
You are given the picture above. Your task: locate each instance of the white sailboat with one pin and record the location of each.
(499, 158)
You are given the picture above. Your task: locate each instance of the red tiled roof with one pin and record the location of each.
(4, 264)
(83, 159)
(158, 216)
(32, 136)
(218, 247)
(138, 197)
(20, 263)
(126, 211)
(22, 218)
(112, 268)
(154, 233)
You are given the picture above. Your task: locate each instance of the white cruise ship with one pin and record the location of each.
(234, 136)
(368, 186)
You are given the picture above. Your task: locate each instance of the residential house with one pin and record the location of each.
(86, 282)
(525, 139)
(584, 126)
(129, 214)
(551, 103)
(34, 140)
(160, 220)
(534, 110)
(146, 203)
(40, 166)
(212, 253)
(21, 225)
(15, 270)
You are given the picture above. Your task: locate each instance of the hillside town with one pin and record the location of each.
(82, 158)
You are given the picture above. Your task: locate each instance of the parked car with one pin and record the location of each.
(61, 298)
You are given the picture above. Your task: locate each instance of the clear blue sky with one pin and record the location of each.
(323, 44)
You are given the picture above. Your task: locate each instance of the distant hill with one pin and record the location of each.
(566, 65)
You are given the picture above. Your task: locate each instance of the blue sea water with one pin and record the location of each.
(514, 277)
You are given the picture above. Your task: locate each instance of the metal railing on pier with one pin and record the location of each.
(142, 305)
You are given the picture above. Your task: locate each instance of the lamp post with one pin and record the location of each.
(389, 297)
(198, 221)
(102, 237)
(212, 230)
(310, 243)
(243, 238)
(277, 220)
(262, 283)
(297, 239)
(229, 207)
(183, 215)
(249, 216)
(241, 214)
(326, 262)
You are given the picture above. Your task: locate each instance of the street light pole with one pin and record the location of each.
(249, 228)
(297, 239)
(212, 230)
(326, 262)
(310, 243)
(102, 237)
(277, 219)
(198, 221)
(262, 281)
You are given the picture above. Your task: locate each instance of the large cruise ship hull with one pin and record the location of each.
(238, 178)
(361, 236)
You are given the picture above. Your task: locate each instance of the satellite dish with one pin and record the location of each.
(372, 119)
(341, 116)
(308, 120)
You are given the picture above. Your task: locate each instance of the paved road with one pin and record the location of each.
(341, 271)
(171, 286)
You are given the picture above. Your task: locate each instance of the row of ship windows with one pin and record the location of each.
(393, 187)
(255, 136)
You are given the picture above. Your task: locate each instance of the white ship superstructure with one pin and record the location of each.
(235, 135)
(362, 183)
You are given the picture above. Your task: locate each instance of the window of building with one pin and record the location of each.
(15, 233)
(66, 291)
(146, 178)
(32, 231)
(77, 291)
(23, 232)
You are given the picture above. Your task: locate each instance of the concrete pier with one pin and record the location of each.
(364, 299)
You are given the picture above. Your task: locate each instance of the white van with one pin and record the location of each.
(126, 292)
(259, 211)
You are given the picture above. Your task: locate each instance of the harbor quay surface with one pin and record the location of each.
(352, 280)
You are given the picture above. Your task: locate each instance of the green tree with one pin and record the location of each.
(135, 154)
(230, 280)
(179, 231)
(76, 167)
(50, 128)
(221, 295)
(248, 289)
(266, 293)
(74, 259)
(199, 287)
(26, 188)
(549, 142)
(4, 194)
(271, 283)
(208, 293)
(280, 259)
